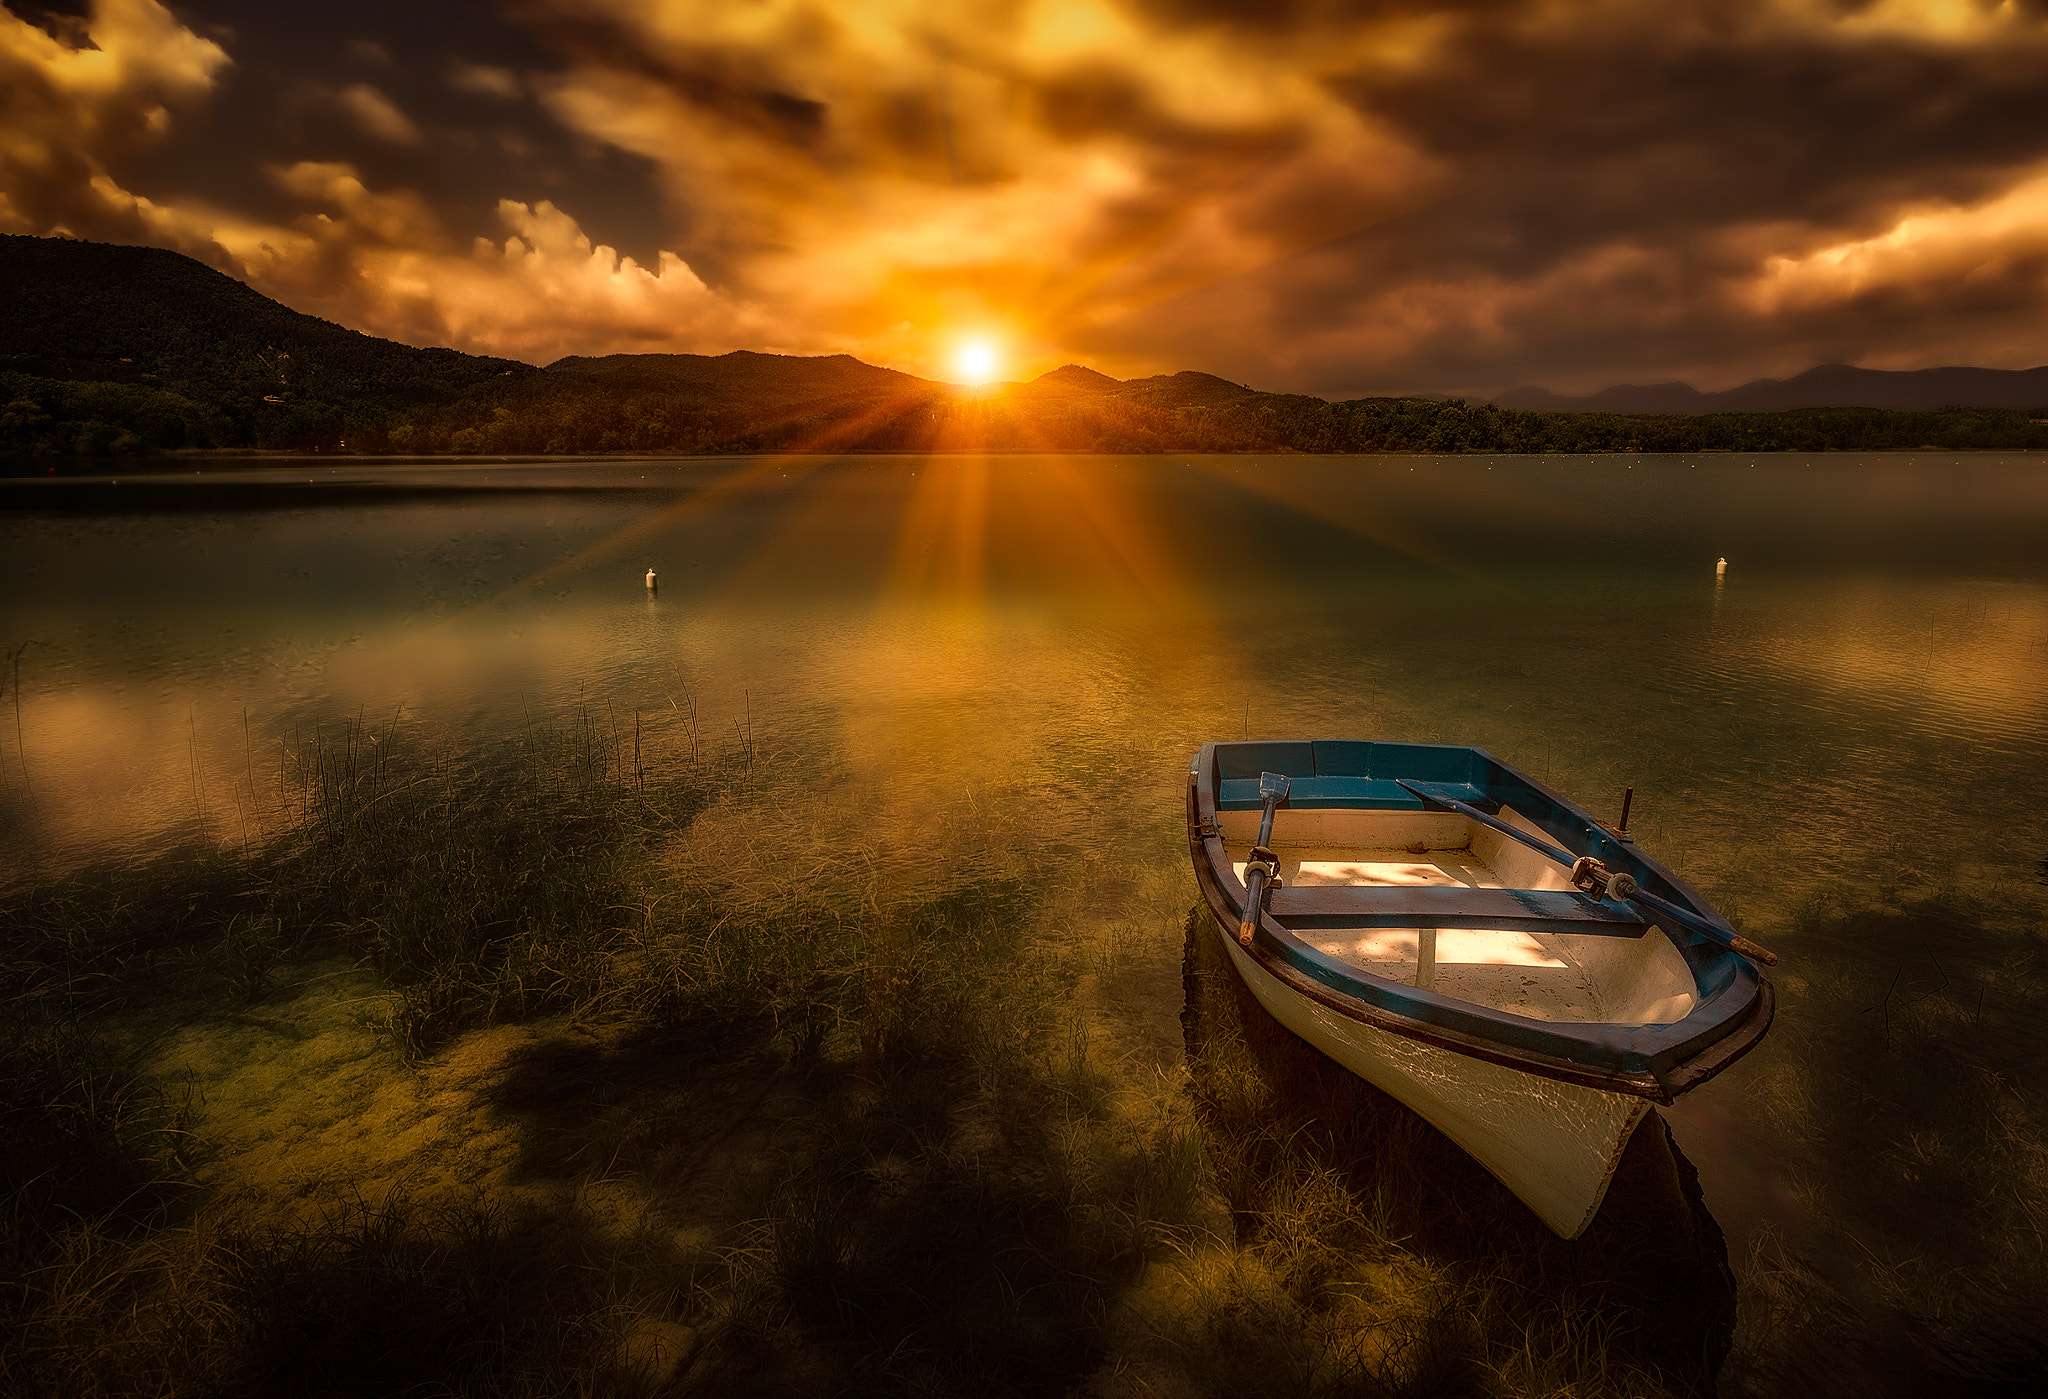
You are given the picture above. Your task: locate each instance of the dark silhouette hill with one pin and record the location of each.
(1188, 389)
(97, 311)
(1068, 381)
(1824, 386)
(126, 351)
(741, 376)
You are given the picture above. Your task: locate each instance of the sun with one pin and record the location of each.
(976, 360)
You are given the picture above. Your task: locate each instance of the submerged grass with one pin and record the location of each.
(396, 1299)
(681, 1083)
(761, 1131)
(479, 888)
(1911, 1092)
(1378, 1259)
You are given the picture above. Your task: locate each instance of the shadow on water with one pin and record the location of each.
(1645, 1297)
(796, 1145)
(565, 1107)
(1909, 1089)
(905, 1180)
(515, 1072)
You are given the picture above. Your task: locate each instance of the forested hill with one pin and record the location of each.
(1824, 385)
(134, 350)
(737, 379)
(197, 346)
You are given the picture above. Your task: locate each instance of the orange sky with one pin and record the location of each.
(1328, 196)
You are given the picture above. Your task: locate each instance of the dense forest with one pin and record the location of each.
(126, 351)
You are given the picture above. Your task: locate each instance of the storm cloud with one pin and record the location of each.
(1332, 197)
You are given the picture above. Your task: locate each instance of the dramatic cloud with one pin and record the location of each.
(1032, 171)
(483, 79)
(377, 115)
(384, 263)
(77, 101)
(1339, 196)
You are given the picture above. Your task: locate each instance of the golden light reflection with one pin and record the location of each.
(1970, 662)
(944, 618)
(1372, 509)
(986, 609)
(754, 474)
(967, 654)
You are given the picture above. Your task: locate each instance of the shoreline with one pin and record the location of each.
(165, 463)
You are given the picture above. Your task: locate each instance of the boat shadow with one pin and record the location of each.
(1649, 1277)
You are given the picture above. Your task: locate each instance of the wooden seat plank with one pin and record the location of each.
(1450, 906)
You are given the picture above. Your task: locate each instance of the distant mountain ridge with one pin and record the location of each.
(122, 351)
(741, 375)
(1823, 386)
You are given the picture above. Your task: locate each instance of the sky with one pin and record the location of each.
(1337, 197)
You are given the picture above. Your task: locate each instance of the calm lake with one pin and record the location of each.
(1838, 740)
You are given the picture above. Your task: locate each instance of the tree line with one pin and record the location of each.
(536, 413)
(125, 352)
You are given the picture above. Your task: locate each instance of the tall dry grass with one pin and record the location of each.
(841, 1134)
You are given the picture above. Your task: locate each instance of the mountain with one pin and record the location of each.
(124, 350)
(1188, 389)
(1824, 386)
(743, 376)
(127, 351)
(1068, 381)
(99, 312)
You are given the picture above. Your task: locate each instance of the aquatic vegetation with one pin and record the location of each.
(551, 1067)
(1929, 1255)
(480, 887)
(1378, 1258)
(787, 1140)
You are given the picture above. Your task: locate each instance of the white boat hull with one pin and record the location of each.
(1554, 1144)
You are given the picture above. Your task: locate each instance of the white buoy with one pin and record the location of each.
(650, 579)
(1721, 567)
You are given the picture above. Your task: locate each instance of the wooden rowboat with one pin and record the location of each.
(1461, 936)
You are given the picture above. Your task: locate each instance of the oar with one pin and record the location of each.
(1260, 866)
(1621, 887)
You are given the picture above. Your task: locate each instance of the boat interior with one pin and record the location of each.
(1618, 972)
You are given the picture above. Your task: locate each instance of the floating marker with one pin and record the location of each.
(1721, 567)
(650, 580)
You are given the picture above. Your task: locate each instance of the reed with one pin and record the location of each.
(838, 1141)
(394, 1299)
(722, 1096)
(1401, 1266)
(481, 887)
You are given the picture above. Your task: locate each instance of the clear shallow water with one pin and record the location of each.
(1865, 690)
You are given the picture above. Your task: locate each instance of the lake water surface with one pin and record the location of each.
(1850, 724)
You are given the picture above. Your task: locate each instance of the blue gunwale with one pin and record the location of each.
(1731, 998)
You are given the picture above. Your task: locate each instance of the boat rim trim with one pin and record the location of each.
(1654, 1062)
